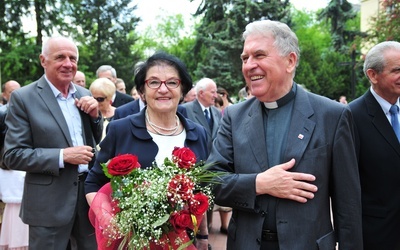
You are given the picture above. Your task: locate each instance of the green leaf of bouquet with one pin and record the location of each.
(184, 246)
(105, 169)
(161, 221)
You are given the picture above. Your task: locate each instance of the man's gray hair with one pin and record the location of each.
(103, 68)
(286, 40)
(375, 58)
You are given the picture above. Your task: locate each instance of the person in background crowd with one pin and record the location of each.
(287, 154)
(376, 118)
(7, 88)
(102, 90)
(219, 103)
(152, 133)
(80, 79)
(109, 72)
(206, 92)
(53, 128)
(242, 94)
(14, 233)
(225, 97)
(248, 92)
(120, 85)
(190, 96)
(342, 99)
(134, 93)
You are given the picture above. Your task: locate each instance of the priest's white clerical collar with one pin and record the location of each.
(271, 105)
(283, 100)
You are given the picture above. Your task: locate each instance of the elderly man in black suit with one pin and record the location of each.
(376, 119)
(202, 110)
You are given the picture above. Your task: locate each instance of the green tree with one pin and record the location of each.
(345, 28)
(384, 26)
(172, 35)
(314, 40)
(323, 70)
(103, 30)
(338, 12)
(105, 34)
(18, 49)
(219, 43)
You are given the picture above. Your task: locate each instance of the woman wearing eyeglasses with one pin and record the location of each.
(153, 133)
(102, 90)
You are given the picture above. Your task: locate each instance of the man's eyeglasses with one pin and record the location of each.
(100, 99)
(170, 84)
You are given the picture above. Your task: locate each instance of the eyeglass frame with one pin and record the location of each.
(102, 99)
(161, 82)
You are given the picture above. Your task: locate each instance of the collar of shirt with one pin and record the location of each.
(385, 105)
(56, 92)
(203, 108)
(283, 100)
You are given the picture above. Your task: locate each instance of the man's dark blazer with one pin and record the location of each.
(129, 136)
(196, 114)
(3, 128)
(378, 151)
(37, 131)
(321, 140)
(131, 108)
(121, 99)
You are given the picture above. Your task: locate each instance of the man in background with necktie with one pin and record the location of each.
(376, 119)
(202, 110)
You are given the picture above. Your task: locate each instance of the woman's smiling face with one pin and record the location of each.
(162, 99)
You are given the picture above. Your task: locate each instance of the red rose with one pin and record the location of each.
(184, 157)
(123, 164)
(181, 220)
(198, 205)
(180, 188)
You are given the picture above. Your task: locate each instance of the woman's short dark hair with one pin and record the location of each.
(164, 58)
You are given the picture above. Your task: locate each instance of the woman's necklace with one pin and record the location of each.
(156, 128)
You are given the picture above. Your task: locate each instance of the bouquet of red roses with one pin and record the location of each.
(154, 207)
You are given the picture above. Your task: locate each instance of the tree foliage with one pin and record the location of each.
(219, 42)
(338, 12)
(171, 35)
(103, 30)
(344, 25)
(385, 26)
(105, 34)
